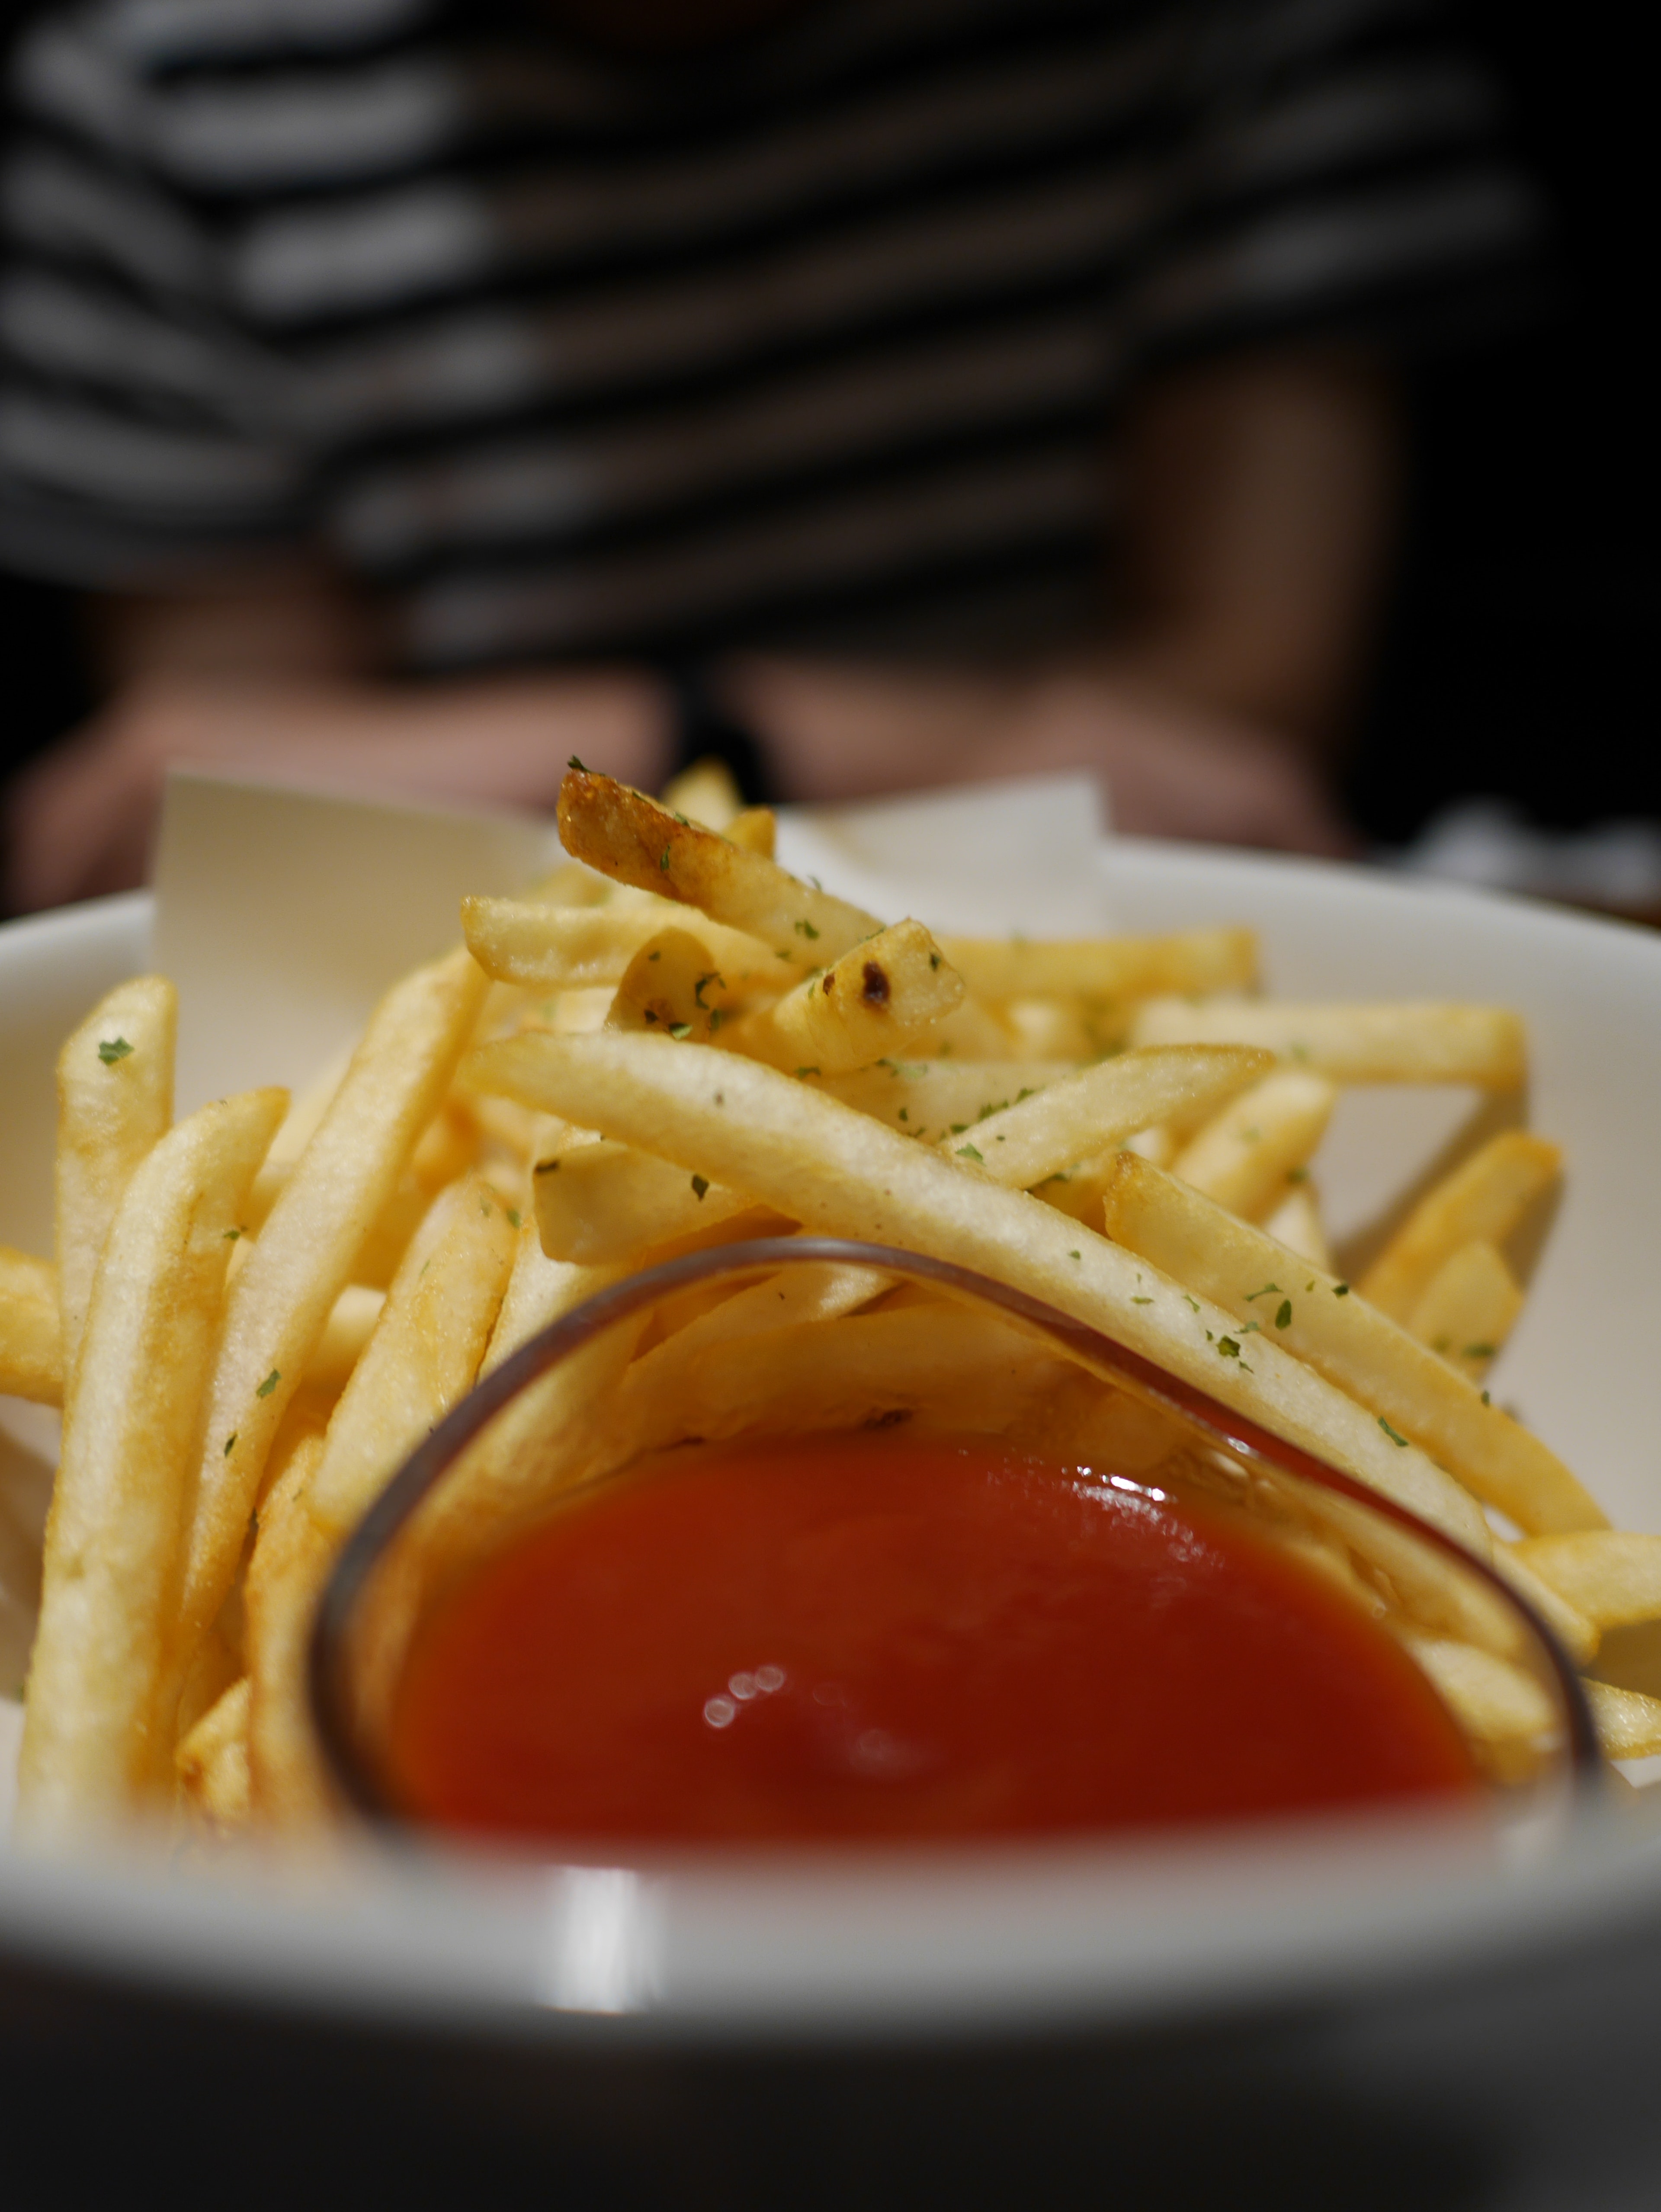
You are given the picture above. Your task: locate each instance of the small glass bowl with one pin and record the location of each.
(649, 1363)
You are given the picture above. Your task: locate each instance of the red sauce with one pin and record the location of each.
(888, 1636)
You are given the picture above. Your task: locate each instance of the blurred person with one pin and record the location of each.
(884, 394)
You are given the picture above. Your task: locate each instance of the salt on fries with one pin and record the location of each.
(252, 1319)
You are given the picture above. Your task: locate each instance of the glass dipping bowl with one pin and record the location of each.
(664, 1357)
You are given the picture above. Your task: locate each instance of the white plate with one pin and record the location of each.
(699, 1952)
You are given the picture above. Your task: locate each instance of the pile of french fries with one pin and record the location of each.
(254, 1314)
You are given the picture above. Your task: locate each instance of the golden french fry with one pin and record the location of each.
(604, 1203)
(350, 1324)
(1105, 968)
(633, 840)
(705, 794)
(1467, 1309)
(1484, 1199)
(933, 1098)
(289, 1564)
(867, 1006)
(1628, 1723)
(1500, 1705)
(1100, 1108)
(31, 1329)
(969, 1031)
(840, 1171)
(1413, 1396)
(672, 985)
(114, 1101)
(1579, 1635)
(543, 948)
(1613, 1576)
(98, 1734)
(794, 1298)
(1296, 1222)
(755, 829)
(1243, 1157)
(1429, 1042)
(281, 1300)
(212, 1762)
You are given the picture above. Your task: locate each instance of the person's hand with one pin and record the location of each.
(838, 732)
(80, 820)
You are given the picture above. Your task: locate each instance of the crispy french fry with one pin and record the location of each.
(31, 1329)
(1500, 1705)
(98, 1736)
(1429, 1042)
(350, 1324)
(543, 948)
(867, 1006)
(672, 985)
(755, 830)
(1243, 1157)
(1579, 1635)
(1106, 968)
(633, 840)
(1097, 1109)
(1410, 1393)
(604, 1203)
(290, 1562)
(281, 1300)
(969, 1031)
(705, 794)
(1467, 1309)
(212, 1762)
(114, 1101)
(1613, 1576)
(1484, 1199)
(1628, 1723)
(841, 1171)
(1296, 1222)
(930, 1097)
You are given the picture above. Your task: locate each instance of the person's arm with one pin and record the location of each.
(1256, 518)
(274, 671)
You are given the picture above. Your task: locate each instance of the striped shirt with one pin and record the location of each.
(820, 337)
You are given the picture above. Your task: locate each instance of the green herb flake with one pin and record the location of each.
(1142, 1301)
(1026, 1091)
(231, 1235)
(1269, 1290)
(546, 1167)
(805, 928)
(1076, 1255)
(934, 959)
(1391, 1433)
(716, 1017)
(649, 1014)
(905, 1114)
(1283, 1314)
(700, 1184)
(1487, 1400)
(270, 1384)
(574, 763)
(663, 865)
(1479, 1352)
(1195, 1303)
(1297, 1175)
(1341, 1290)
(1250, 1328)
(680, 1029)
(513, 1217)
(230, 1443)
(969, 1152)
(703, 983)
(807, 1070)
(113, 1048)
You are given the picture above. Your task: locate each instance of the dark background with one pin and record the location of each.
(1514, 646)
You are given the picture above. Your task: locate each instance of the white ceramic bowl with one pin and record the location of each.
(701, 1956)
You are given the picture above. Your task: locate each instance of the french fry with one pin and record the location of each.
(842, 1172)
(350, 1324)
(543, 948)
(31, 1329)
(969, 1031)
(754, 830)
(867, 1006)
(212, 1762)
(1484, 1199)
(1105, 968)
(1628, 1723)
(604, 1203)
(633, 840)
(1296, 1222)
(1410, 1393)
(1429, 1042)
(302, 1259)
(1612, 1575)
(290, 1562)
(1467, 1309)
(671, 985)
(705, 794)
(1097, 1109)
(114, 1102)
(1579, 1635)
(1243, 1157)
(930, 1097)
(98, 1734)
(1498, 1704)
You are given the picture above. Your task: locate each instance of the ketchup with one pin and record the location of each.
(886, 1636)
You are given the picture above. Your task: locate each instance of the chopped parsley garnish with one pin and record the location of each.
(230, 1443)
(574, 763)
(1297, 1175)
(1391, 1433)
(270, 1384)
(1026, 1091)
(1227, 1348)
(663, 865)
(513, 1217)
(680, 1029)
(1479, 1352)
(1341, 1290)
(1195, 1303)
(716, 1017)
(231, 1235)
(1076, 1255)
(700, 1184)
(1283, 1314)
(807, 1070)
(654, 955)
(703, 983)
(969, 1152)
(934, 959)
(1142, 1301)
(905, 1114)
(113, 1048)
(546, 1167)
(1487, 1400)
(805, 928)
(649, 1014)
(1268, 1290)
